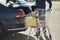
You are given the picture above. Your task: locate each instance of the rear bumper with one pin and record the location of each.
(17, 29)
(14, 25)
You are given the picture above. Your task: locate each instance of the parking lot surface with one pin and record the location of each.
(17, 36)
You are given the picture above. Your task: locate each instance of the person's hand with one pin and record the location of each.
(49, 9)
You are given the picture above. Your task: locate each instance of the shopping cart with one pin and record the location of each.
(43, 32)
(37, 20)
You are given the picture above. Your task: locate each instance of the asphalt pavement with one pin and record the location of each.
(54, 21)
(17, 36)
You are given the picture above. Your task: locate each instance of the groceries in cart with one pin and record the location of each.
(33, 20)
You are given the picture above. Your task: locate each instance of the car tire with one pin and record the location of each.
(2, 29)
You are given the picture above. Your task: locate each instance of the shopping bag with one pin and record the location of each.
(32, 22)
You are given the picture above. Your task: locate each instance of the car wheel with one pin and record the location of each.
(1, 29)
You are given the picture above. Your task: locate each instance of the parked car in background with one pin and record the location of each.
(11, 20)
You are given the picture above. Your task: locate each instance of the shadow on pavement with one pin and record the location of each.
(17, 36)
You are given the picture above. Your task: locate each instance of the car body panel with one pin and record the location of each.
(9, 20)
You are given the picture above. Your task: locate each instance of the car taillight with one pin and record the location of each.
(20, 14)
